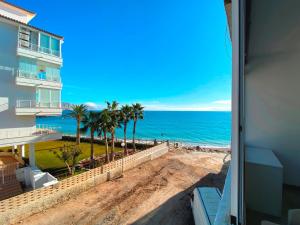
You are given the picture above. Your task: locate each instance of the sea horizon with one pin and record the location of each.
(192, 128)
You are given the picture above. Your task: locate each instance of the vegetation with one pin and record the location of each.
(91, 121)
(78, 112)
(104, 123)
(107, 121)
(70, 156)
(47, 161)
(114, 114)
(126, 114)
(138, 113)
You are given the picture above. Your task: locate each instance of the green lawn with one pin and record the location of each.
(46, 160)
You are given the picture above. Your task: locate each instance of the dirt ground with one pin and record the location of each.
(156, 192)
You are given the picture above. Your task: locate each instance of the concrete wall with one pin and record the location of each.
(9, 92)
(272, 82)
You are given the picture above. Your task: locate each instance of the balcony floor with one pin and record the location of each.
(291, 200)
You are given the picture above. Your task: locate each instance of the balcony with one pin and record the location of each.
(18, 136)
(32, 50)
(24, 78)
(31, 107)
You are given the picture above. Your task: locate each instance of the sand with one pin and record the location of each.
(156, 192)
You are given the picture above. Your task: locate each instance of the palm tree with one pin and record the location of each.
(125, 115)
(78, 111)
(105, 126)
(137, 113)
(91, 121)
(114, 113)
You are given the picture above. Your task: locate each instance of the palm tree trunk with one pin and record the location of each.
(125, 139)
(78, 132)
(112, 154)
(106, 148)
(133, 136)
(92, 147)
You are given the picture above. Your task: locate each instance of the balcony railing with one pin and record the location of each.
(38, 130)
(37, 76)
(36, 48)
(45, 129)
(35, 104)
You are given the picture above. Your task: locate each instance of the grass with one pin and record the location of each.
(46, 160)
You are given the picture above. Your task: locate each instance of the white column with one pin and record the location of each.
(23, 151)
(15, 147)
(31, 155)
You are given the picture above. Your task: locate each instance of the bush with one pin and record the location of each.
(139, 146)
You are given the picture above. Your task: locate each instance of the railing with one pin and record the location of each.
(33, 47)
(16, 132)
(35, 104)
(39, 129)
(45, 129)
(37, 76)
(8, 172)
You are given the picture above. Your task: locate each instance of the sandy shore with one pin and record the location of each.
(156, 192)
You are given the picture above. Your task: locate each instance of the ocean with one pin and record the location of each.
(192, 128)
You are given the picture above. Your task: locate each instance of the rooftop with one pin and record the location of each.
(10, 5)
(20, 16)
(29, 26)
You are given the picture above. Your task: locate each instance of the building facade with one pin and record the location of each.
(30, 81)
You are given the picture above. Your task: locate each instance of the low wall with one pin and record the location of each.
(24, 205)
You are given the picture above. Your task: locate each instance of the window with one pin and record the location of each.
(55, 46)
(27, 68)
(48, 98)
(45, 43)
(53, 74)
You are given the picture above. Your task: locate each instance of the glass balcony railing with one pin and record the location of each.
(38, 76)
(35, 104)
(36, 48)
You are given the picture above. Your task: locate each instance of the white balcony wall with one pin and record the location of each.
(272, 110)
(9, 92)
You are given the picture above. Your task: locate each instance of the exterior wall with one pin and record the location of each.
(272, 105)
(9, 92)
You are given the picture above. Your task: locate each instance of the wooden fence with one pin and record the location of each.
(21, 206)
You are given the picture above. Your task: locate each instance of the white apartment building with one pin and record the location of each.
(30, 83)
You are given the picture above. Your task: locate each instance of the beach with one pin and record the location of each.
(145, 194)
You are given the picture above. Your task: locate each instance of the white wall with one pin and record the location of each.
(9, 92)
(272, 82)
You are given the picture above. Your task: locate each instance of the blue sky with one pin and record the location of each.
(168, 55)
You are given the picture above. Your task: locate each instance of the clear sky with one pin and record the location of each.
(166, 54)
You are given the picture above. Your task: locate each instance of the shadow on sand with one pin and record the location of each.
(177, 209)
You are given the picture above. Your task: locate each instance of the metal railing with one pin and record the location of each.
(37, 76)
(35, 104)
(33, 47)
(45, 129)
